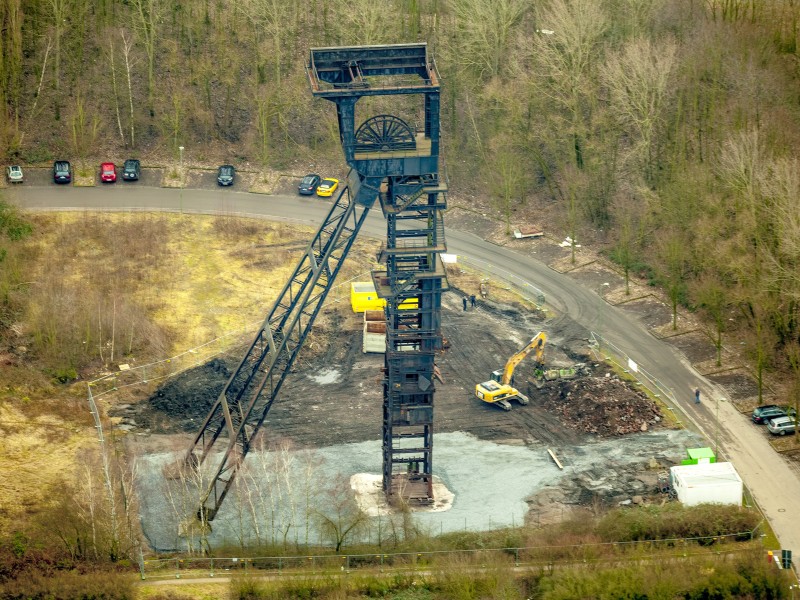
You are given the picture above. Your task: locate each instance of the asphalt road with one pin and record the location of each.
(772, 481)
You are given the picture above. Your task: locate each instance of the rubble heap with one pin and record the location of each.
(605, 406)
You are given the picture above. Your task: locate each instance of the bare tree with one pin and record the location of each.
(673, 254)
(779, 185)
(84, 128)
(127, 45)
(114, 87)
(270, 19)
(506, 175)
(741, 165)
(757, 310)
(638, 79)
(11, 70)
(339, 516)
(147, 22)
(715, 300)
(58, 10)
(565, 57)
(32, 115)
(484, 30)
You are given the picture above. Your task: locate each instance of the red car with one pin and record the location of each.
(108, 173)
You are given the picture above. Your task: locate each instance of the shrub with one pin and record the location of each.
(67, 586)
(675, 521)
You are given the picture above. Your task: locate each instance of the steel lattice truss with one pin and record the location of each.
(390, 160)
(234, 420)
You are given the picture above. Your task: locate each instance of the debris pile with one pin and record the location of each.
(604, 406)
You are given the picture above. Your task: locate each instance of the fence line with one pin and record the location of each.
(605, 350)
(174, 365)
(528, 555)
(525, 288)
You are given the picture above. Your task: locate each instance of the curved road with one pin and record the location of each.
(772, 482)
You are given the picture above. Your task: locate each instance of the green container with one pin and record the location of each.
(699, 456)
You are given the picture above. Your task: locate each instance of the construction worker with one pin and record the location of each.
(464, 299)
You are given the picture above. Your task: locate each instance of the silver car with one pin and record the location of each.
(781, 425)
(14, 174)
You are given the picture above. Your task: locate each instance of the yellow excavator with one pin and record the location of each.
(499, 389)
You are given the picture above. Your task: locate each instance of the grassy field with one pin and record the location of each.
(104, 290)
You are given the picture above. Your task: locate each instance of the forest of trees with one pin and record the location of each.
(666, 128)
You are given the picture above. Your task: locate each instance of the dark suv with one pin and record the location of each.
(131, 170)
(226, 174)
(62, 173)
(762, 414)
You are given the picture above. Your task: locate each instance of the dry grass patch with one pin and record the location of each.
(40, 447)
(132, 288)
(179, 590)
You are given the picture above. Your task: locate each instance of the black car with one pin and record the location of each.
(762, 414)
(226, 174)
(131, 170)
(62, 173)
(309, 184)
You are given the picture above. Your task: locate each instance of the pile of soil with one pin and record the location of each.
(600, 405)
(183, 402)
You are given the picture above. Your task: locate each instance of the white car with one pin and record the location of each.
(14, 174)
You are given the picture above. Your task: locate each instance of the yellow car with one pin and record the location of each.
(327, 187)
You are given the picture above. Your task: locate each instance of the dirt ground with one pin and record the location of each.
(336, 397)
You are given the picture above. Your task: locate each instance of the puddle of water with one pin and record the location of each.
(327, 376)
(284, 490)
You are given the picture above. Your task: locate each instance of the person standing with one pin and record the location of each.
(697, 396)
(464, 299)
(472, 300)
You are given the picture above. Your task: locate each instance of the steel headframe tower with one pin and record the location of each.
(392, 161)
(391, 158)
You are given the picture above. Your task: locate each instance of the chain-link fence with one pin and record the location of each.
(128, 376)
(185, 567)
(605, 350)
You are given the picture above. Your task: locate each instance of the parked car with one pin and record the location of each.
(14, 174)
(309, 184)
(762, 414)
(108, 172)
(131, 170)
(327, 186)
(781, 425)
(226, 175)
(62, 172)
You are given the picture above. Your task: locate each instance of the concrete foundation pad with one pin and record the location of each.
(370, 498)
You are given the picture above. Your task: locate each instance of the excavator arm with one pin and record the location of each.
(536, 344)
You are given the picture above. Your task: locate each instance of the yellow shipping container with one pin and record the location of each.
(364, 297)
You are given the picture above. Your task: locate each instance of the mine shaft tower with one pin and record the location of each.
(393, 162)
(402, 164)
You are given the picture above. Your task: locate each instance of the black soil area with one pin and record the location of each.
(334, 393)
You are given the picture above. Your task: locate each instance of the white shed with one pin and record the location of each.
(717, 483)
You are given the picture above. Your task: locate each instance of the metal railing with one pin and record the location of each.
(184, 567)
